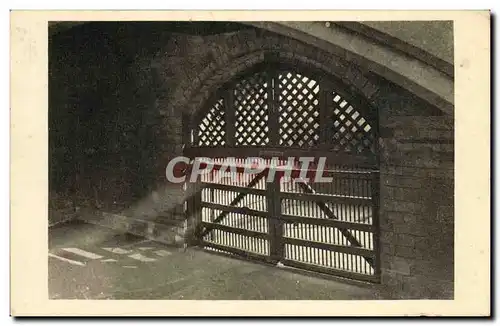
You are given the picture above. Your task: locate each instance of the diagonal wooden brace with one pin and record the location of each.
(234, 202)
(345, 232)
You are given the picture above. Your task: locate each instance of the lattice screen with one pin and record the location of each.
(298, 110)
(350, 131)
(252, 111)
(211, 130)
(298, 113)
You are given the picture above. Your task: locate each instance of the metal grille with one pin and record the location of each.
(211, 129)
(252, 111)
(298, 110)
(350, 131)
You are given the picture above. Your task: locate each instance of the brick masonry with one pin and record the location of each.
(417, 215)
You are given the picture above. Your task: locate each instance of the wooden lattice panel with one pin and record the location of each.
(297, 104)
(211, 130)
(251, 111)
(298, 110)
(350, 131)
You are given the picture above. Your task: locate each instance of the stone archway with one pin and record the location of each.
(182, 73)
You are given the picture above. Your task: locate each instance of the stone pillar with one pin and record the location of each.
(417, 189)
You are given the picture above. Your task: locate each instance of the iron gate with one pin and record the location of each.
(276, 112)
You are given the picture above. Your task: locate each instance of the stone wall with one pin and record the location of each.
(417, 202)
(103, 134)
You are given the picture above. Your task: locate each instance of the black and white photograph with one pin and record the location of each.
(209, 159)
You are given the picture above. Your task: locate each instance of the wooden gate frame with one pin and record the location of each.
(275, 218)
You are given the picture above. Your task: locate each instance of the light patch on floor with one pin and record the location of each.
(83, 253)
(72, 262)
(163, 253)
(109, 260)
(119, 251)
(142, 258)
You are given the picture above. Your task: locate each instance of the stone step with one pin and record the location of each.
(149, 229)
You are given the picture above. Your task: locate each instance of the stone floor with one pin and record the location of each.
(91, 262)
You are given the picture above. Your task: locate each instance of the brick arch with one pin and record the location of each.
(355, 82)
(248, 48)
